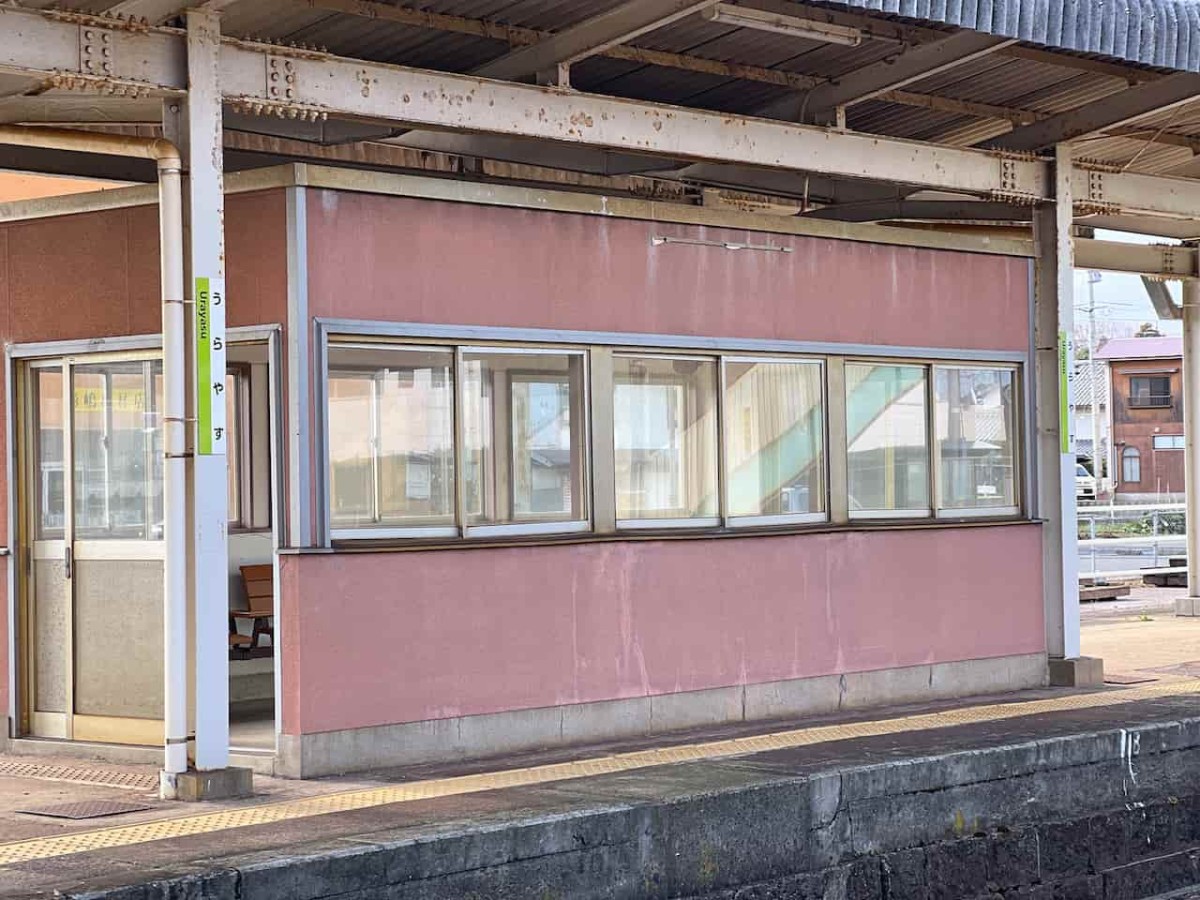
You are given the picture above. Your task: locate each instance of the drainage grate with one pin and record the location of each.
(88, 809)
(139, 781)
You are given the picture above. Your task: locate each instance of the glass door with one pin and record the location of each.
(96, 627)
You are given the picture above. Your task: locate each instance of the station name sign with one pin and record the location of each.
(211, 432)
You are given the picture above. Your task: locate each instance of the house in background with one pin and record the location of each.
(1145, 379)
(1092, 399)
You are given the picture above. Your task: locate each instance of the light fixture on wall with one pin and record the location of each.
(762, 20)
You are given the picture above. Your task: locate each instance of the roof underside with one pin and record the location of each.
(1162, 33)
(1066, 54)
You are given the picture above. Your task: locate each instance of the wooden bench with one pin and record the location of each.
(260, 602)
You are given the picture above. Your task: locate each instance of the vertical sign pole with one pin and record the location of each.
(210, 484)
(1054, 324)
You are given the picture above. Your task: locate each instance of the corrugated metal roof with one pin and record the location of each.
(1142, 348)
(1162, 33)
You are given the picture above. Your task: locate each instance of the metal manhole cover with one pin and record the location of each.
(1116, 678)
(88, 809)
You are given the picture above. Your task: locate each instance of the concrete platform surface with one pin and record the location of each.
(906, 782)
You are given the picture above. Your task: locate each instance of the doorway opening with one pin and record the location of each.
(89, 458)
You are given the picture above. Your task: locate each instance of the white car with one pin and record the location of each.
(1085, 484)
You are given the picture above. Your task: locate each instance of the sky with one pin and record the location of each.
(1121, 301)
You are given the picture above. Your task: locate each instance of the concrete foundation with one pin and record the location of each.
(218, 784)
(1008, 809)
(1187, 606)
(466, 737)
(1083, 671)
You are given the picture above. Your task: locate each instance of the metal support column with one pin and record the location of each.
(1190, 605)
(1054, 324)
(210, 469)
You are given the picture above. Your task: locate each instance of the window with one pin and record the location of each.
(48, 452)
(665, 439)
(975, 412)
(478, 441)
(1149, 391)
(1168, 442)
(774, 424)
(523, 439)
(887, 436)
(1131, 465)
(391, 430)
(117, 446)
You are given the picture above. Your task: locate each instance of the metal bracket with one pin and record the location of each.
(96, 47)
(281, 78)
(1094, 203)
(1008, 176)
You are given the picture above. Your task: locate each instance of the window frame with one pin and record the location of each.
(378, 532)
(1131, 455)
(898, 515)
(530, 527)
(980, 512)
(767, 521)
(598, 351)
(460, 529)
(1176, 439)
(242, 455)
(1164, 401)
(684, 522)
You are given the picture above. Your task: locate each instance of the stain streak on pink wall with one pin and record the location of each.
(451, 633)
(398, 259)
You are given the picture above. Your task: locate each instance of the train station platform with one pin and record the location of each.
(1091, 794)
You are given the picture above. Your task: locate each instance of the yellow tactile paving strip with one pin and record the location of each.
(346, 801)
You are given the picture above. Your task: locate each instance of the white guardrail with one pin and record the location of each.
(1159, 544)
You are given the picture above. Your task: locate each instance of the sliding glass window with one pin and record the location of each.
(887, 433)
(488, 441)
(665, 440)
(774, 424)
(524, 466)
(975, 411)
(391, 441)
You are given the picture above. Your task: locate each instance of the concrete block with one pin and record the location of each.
(522, 729)
(958, 868)
(905, 874)
(582, 722)
(693, 709)
(1015, 859)
(1065, 849)
(864, 689)
(1082, 671)
(987, 676)
(1187, 606)
(792, 699)
(218, 784)
(1152, 877)
(330, 873)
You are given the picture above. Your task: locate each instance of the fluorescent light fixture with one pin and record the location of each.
(761, 20)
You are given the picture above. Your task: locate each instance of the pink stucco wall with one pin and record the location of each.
(382, 638)
(402, 637)
(411, 260)
(97, 275)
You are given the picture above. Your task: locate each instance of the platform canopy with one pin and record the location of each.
(864, 111)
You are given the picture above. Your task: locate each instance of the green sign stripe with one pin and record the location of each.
(204, 411)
